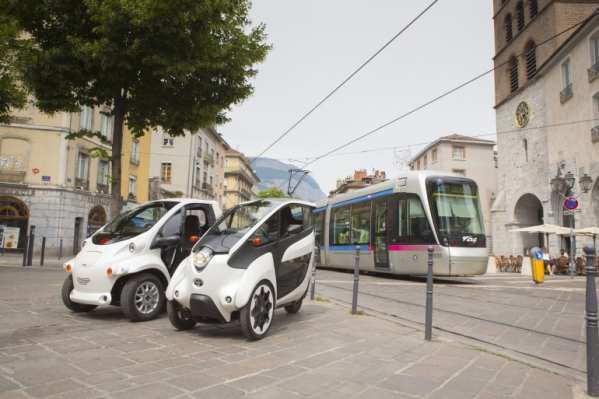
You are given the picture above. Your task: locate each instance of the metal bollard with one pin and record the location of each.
(30, 246)
(25, 250)
(316, 263)
(591, 321)
(428, 323)
(43, 251)
(60, 249)
(354, 301)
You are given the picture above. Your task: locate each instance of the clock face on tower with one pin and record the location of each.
(522, 115)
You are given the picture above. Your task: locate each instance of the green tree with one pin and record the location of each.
(178, 64)
(12, 94)
(273, 192)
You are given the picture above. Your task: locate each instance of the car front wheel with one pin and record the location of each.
(256, 316)
(142, 297)
(177, 317)
(67, 287)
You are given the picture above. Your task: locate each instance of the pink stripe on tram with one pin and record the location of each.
(406, 247)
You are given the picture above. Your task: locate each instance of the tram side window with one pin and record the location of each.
(319, 227)
(340, 226)
(413, 224)
(360, 223)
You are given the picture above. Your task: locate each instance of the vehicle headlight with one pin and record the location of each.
(201, 258)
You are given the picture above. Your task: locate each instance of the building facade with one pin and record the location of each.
(190, 166)
(240, 179)
(359, 180)
(135, 167)
(49, 182)
(546, 135)
(466, 156)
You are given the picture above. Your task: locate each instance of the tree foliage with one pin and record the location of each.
(12, 94)
(272, 192)
(177, 64)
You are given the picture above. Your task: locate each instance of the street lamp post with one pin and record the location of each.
(591, 325)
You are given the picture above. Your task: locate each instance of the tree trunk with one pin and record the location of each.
(117, 156)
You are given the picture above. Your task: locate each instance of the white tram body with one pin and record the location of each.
(395, 222)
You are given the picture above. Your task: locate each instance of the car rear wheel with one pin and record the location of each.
(256, 316)
(177, 316)
(142, 297)
(294, 307)
(67, 287)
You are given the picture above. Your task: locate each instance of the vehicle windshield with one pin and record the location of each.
(230, 227)
(133, 222)
(455, 207)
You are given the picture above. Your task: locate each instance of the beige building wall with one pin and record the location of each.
(478, 165)
(241, 179)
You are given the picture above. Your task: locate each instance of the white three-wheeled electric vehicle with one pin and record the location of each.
(129, 261)
(257, 257)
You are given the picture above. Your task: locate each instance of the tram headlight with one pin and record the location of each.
(201, 258)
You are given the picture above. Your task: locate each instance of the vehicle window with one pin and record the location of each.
(308, 217)
(297, 214)
(133, 222)
(319, 226)
(340, 226)
(413, 224)
(360, 223)
(270, 231)
(200, 213)
(172, 226)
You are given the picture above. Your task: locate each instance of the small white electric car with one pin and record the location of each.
(129, 261)
(257, 257)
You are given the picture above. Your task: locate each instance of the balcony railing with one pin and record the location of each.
(566, 94)
(82, 184)
(593, 72)
(208, 158)
(102, 188)
(207, 187)
(595, 134)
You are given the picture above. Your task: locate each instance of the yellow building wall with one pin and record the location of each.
(140, 171)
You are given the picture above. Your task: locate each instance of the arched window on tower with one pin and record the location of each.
(520, 15)
(530, 52)
(507, 25)
(513, 72)
(533, 8)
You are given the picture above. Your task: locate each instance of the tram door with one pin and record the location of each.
(381, 236)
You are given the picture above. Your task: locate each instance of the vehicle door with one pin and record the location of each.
(189, 223)
(413, 236)
(381, 232)
(295, 247)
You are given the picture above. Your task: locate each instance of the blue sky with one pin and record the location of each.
(316, 44)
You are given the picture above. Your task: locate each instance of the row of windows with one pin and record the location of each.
(533, 10)
(86, 121)
(352, 224)
(458, 153)
(210, 155)
(102, 178)
(530, 59)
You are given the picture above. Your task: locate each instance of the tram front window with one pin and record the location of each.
(455, 206)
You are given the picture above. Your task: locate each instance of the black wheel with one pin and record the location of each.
(177, 318)
(294, 307)
(67, 287)
(256, 316)
(142, 297)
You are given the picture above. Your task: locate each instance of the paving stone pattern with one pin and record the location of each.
(322, 352)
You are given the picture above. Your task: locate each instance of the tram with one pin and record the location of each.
(395, 222)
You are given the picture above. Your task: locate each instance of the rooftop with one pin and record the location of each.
(454, 138)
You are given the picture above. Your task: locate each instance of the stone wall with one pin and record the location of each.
(53, 212)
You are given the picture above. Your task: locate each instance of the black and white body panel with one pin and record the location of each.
(225, 285)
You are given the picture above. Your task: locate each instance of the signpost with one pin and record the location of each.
(570, 207)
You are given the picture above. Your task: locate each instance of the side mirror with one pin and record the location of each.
(294, 228)
(169, 241)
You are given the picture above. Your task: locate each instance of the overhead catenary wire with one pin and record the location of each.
(444, 94)
(347, 79)
(423, 143)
